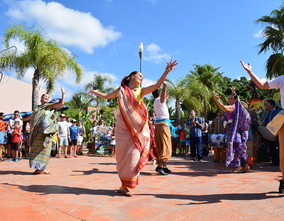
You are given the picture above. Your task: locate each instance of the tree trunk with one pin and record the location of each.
(177, 104)
(35, 90)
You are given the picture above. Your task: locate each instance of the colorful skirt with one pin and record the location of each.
(40, 151)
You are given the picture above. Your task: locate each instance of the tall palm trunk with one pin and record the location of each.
(177, 104)
(35, 90)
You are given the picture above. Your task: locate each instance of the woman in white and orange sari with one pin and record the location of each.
(132, 133)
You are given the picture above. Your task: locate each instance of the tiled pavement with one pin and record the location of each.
(84, 189)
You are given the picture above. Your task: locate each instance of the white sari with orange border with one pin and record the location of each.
(132, 137)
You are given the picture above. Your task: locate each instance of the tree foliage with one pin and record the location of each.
(47, 58)
(273, 35)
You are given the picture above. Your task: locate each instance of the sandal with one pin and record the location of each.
(41, 172)
(237, 170)
(124, 192)
(245, 168)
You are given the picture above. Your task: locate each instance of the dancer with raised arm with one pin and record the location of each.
(163, 130)
(132, 132)
(43, 127)
(276, 126)
(237, 128)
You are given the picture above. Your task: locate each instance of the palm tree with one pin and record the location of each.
(183, 91)
(273, 40)
(176, 91)
(198, 96)
(100, 83)
(85, 118)
(47, 58)
(80, 102)
(249, 89)
(210, 80)
(149, 104)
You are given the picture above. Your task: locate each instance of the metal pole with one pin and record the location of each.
(140, 51)
(140, 64)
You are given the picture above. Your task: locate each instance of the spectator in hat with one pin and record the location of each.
(74, 133)
(63, 134)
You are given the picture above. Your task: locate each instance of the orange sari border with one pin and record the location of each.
(129, 182)
(143, 160)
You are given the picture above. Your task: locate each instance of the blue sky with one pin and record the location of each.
(105, 35)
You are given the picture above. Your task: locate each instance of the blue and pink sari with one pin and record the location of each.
(237, 133)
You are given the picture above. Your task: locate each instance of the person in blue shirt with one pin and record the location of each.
(74, 133)
(195, 125)
(270, 113)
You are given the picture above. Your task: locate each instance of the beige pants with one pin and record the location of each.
(276, 126)
(163, 141)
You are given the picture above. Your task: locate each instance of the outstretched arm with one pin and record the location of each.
(61, 103)
(29, 117)
(53, 106)
(260, 83)
(150, 89)
(228, 108)
(164, 92)
(103, 95)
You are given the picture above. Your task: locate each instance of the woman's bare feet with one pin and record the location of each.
(41, 172)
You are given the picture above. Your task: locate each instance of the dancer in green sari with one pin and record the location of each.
(43, 128)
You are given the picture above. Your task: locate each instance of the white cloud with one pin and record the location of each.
(259, 34)
(67, 26)
(68, 82)
(155, 54)
(19, 45)
(70, 78)
(147, 82)
(28, 77)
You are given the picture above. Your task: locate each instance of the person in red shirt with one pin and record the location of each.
(15, 140)
(182, 138)
(3, 131)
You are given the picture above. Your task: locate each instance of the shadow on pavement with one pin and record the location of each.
(216, 198)
(104, 163)
(93, 171)
(56, 189)
(15, 172)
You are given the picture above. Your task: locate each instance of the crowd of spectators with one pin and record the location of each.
(71, 136)
(191, 140)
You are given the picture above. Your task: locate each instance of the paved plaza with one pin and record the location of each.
(84, 189)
